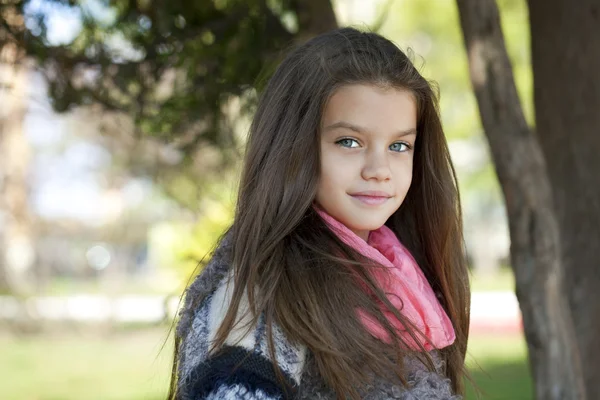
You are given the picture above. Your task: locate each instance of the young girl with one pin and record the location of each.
(343, 274)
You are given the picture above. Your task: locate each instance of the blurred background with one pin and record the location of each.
(122, 124)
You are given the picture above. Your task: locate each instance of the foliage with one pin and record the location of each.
(184, 246)
(178, 76)
(172, 65)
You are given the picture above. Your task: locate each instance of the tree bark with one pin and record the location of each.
(536, 252)
(314, 17)
(565, 47)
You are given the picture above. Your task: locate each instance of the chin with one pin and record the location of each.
(365, 226)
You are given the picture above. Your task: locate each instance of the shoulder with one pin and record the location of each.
(243, 365)
(425, 384)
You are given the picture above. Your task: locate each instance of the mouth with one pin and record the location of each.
(371, 198)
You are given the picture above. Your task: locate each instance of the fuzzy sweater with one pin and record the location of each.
(204, 376)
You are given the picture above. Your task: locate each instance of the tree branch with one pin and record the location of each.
(314, 17)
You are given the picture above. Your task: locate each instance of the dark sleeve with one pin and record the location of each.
(236, 373)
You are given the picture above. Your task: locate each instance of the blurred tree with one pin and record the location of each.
(183, 71)
(159, 60)
(549, 179)
(17, 247)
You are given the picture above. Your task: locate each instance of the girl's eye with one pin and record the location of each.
(346, 143)
(400, 147)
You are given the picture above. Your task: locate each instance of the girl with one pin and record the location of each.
(343, 274)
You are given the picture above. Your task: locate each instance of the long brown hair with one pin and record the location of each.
(309, 282)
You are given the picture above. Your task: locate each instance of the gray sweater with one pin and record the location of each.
(204, 376)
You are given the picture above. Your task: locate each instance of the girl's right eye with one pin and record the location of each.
(346, 143)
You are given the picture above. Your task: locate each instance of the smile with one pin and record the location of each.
(371, 200)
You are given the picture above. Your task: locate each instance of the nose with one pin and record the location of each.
(376, 167)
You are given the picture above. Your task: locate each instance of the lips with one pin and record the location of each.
(372, 193)
(371, 198)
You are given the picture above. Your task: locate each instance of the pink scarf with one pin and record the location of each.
(405, 285)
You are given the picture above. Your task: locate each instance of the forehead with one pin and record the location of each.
(375, 108)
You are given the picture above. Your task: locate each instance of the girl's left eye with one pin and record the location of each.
(400, 147)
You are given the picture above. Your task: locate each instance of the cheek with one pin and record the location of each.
(403, 175)
(338, 171)
(329, 167)
(329, 178)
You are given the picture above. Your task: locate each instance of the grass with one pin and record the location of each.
(503, 280)
(123, 366)
(128, 366)
(498, 365)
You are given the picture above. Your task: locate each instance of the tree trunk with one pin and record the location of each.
(16, 236)
(535, 241)
(314, 17)
(565, 47)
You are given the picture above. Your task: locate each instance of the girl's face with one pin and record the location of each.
(367, 140)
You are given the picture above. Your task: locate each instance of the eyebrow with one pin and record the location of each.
(359, 129)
